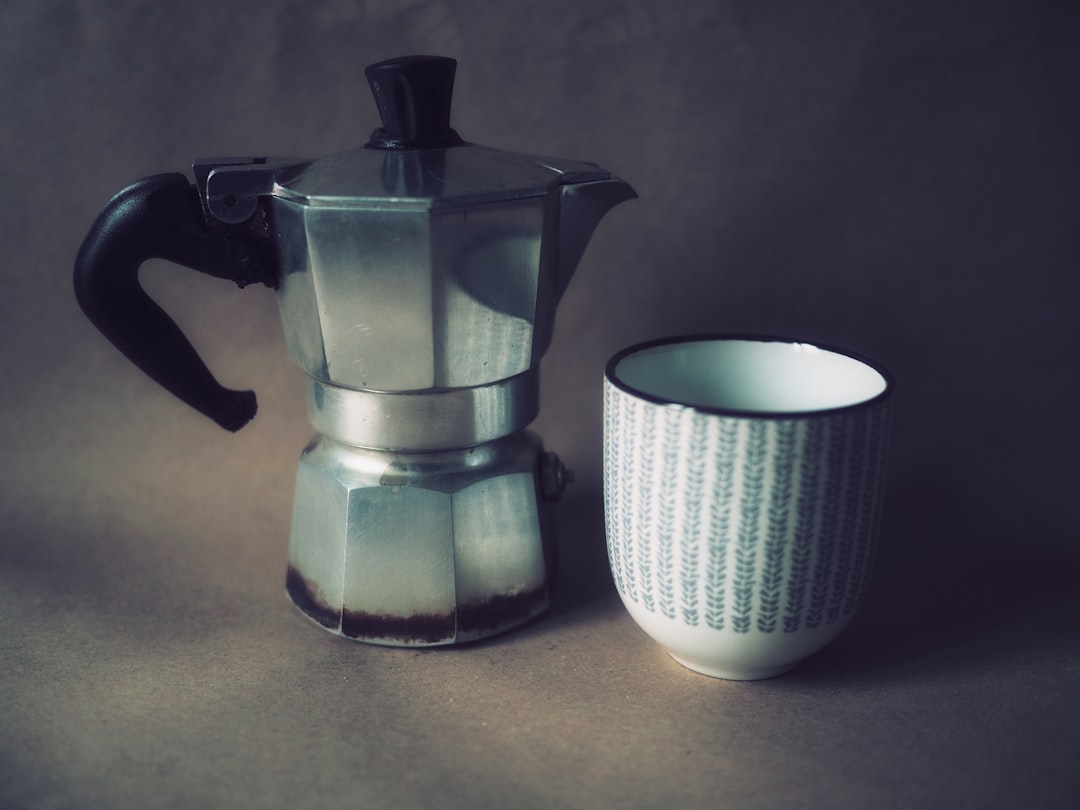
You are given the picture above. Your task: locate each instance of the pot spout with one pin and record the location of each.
(581, 207)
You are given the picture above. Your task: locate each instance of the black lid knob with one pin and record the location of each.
(413, 94)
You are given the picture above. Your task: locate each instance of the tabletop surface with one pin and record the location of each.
(152, 658)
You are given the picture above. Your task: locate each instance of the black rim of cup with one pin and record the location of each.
(618, 357)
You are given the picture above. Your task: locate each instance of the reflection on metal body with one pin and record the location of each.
(421, 312)
(444, 283)
(411, 300)
(418, 290)
(441, 420)
(468, 561)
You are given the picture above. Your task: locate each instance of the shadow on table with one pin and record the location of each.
(949, 591)
(582, 575)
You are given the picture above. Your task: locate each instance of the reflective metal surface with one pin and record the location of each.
(441, 420)
(466, 175)
(418, 290)
(419, 548)
(419, 270)
(410, 300)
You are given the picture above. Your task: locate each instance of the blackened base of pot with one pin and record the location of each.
(467, 622)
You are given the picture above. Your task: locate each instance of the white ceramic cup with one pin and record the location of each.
(743, 481)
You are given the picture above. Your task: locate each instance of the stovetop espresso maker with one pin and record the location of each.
(417, 278)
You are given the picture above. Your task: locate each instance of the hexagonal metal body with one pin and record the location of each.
(419, 548)
(413, 296)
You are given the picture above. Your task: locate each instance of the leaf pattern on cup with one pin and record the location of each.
(770, 586)
(806, 517)
(746, 544)
(765, 525)
(690, 547)
(720, 522)
(832, 500)
(665, 518)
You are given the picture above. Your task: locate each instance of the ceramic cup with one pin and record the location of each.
(743, 483)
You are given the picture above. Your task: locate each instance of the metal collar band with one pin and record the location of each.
(430, 420)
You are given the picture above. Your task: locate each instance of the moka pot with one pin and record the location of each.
(417, 277)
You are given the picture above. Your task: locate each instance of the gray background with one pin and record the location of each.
(898, 178)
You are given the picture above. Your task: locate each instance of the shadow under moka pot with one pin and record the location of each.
(417, 278)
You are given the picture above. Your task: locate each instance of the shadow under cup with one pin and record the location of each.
(743, 483)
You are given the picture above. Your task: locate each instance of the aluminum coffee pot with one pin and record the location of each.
(417, 278)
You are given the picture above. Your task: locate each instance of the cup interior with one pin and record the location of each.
(747, 375)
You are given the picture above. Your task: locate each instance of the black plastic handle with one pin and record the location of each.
(161, 217)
